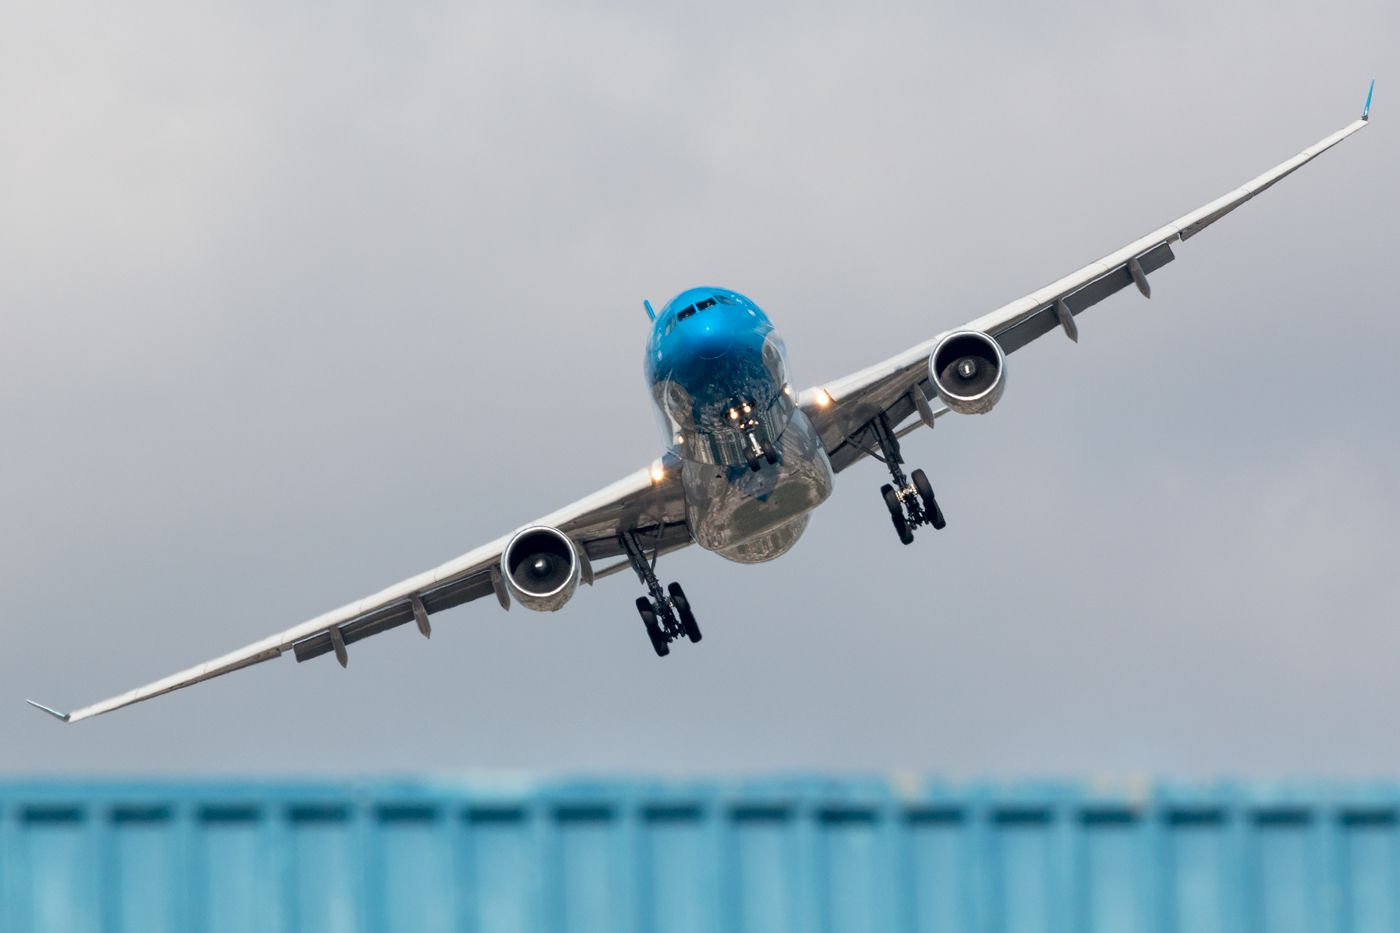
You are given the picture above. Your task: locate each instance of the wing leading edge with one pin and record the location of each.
(844, 410)
(654, 507)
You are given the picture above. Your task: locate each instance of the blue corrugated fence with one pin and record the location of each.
(760, 855)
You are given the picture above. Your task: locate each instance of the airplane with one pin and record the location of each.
(746, 458)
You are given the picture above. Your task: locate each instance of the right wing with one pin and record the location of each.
(650, 503)
(847, 411)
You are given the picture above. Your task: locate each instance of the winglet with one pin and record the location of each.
(652, 314)
(1366, 111)
(52, 712)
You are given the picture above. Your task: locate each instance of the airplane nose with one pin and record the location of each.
(709, 339)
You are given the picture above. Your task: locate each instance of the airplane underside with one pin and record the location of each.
(750, 516)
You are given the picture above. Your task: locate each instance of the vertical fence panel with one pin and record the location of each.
(234, 888)
(58, 874)
(1112, 876)
(939, 870)
(325, 858)
(855, 887)
(1198, 898)
(676, 874)
(586, 869)
(502, 888)
(1022, 870)
(764, 869)
(146, 875)
(412, 874)
(1286, 886)
(1369, 872)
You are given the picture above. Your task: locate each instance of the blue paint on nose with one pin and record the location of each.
(709, 336)
(707, 341)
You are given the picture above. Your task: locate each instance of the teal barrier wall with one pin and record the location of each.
(632, 856)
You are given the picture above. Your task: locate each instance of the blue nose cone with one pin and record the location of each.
(709, 336)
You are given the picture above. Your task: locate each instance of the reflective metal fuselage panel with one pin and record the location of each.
(718, 376)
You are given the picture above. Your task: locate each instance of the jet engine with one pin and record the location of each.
(541, 568)
(968, 371)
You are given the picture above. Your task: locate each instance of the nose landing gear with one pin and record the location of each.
(756, 447)
(910, 499)
(756, 451)
(666, 614)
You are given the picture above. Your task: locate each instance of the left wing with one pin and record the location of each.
(845, 411)
(650, 503)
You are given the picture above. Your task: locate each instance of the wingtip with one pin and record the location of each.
(61, 717)
(1366, 110)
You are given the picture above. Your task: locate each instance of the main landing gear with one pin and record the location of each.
(910, 499)
(666, 614)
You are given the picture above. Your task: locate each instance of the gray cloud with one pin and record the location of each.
(298, 304)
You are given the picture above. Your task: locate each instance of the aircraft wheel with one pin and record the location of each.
(755, 463)
(648, 614)
(891, 501)
(931, 510)
(688, 623)
(901, 524)
(770, 453)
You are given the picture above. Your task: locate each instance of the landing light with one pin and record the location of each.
(658, 472)
(822, 398)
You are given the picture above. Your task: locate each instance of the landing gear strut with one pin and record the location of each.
(910, 499)
(666, 614)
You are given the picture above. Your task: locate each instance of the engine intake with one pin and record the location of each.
(541, 568)
(968, 371)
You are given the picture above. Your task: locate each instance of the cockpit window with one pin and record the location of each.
(726, 299)
(689, 310)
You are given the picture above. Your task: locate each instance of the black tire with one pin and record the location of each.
(770, 453)
(932, 513)
(755, 463)
(922, 486)
(901, 527)
(892, 502)
(648, 614)
(682, 605)
(901, 524)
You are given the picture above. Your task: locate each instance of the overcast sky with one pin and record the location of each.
(297, 303)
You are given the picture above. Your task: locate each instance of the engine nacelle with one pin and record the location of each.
(968, 371)
(541, 568)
